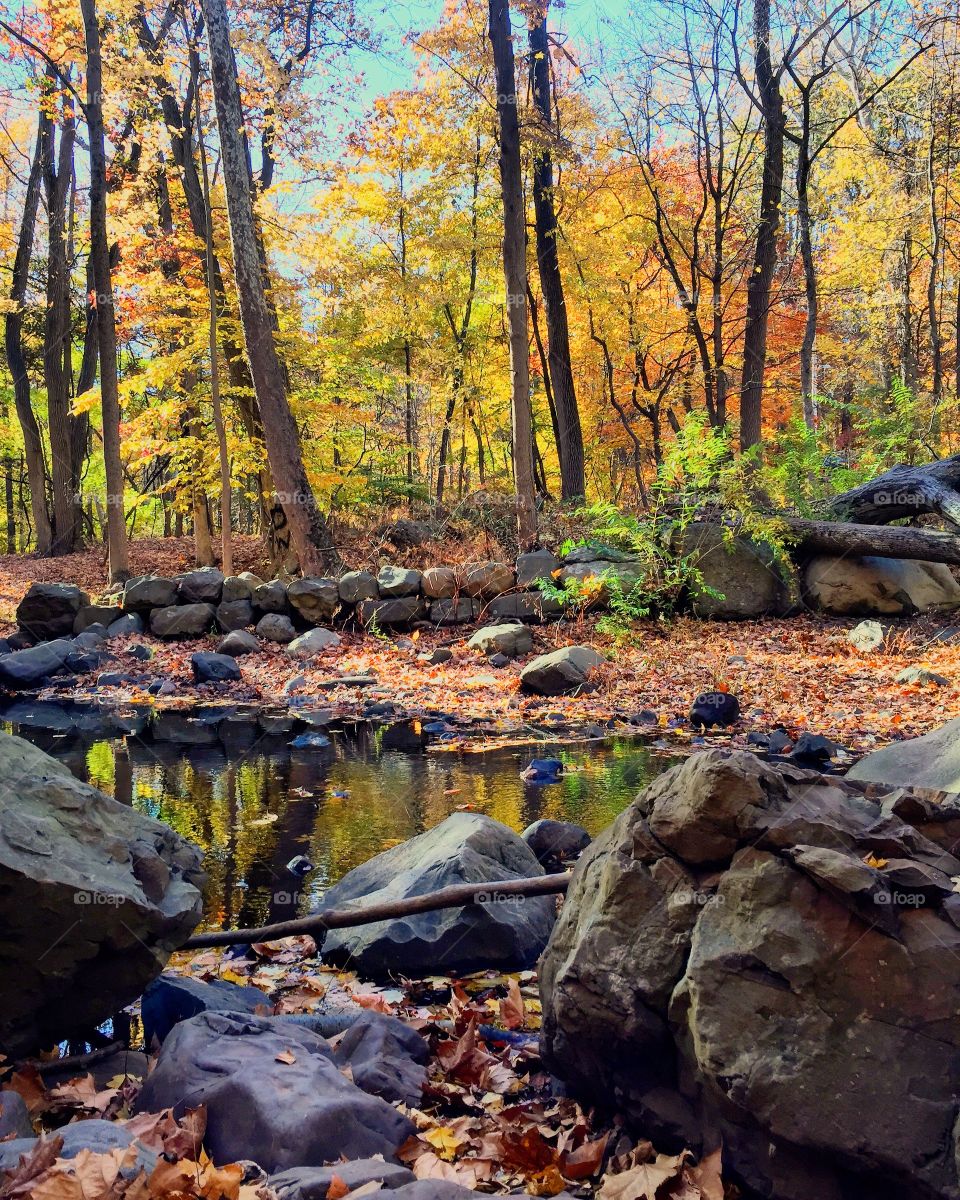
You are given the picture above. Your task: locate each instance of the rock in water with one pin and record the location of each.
(48, 610)
(503, 932)
(272, 1093)
(94, 897)
(555, 842)
(728, 965)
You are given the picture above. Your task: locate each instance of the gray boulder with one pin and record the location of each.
(94, 897)
(150, 591)
(534, 566)
(358, 585)
(275, 627)
(848, 585)
(555, 842)
(234, 614)
(238, 587)
(129, 625)
(597, 577)
(386, 1058)
(513, 640)
(524, 606)
(182, 620)
(561, 671)
(215, 668)
(746, 575)
(737, 955)
(439, 583)
(309, 644)
(460, 611)
(95, 614)
(316, 600)
(395, 582)
(96, 1136)
(25, 669)
(487, 579)
(313, 1183)
(239, 642)
(49, 610)
(931, 761)
(271, 597)
(171, 999)
(262, 1106)
(402, 611)
(465, 848)
(203, 586)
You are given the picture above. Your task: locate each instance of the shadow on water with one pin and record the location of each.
(253, 803)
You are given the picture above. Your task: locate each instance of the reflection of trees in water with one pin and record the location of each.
(217, 794)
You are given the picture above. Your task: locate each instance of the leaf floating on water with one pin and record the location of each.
(267, 820)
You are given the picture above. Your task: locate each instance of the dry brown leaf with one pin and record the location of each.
(28, 1082)
(706, 1176)
(286, 1056)
(585, 1160)
(221, 1183)
(643, 1181)
(31, 1167)
(546, 1183)
(337, 1188)
(512, 1009)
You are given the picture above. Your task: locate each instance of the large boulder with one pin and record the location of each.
(848, 586)
(536, 565)
(766, 959)
(739, 578)
(95, 614)
(272, 1094)
(355, 586)
(931, 761)
(487, 579)
(150, 591)
(271, 597)
(182, 620)
(501, 932)
(596, 578)
(94, 897)
(316, 600)
(203, 586)
(561, 671)
(513, 640)
(234, 614)
(401, 611)
(49, 610)
(25, 669)
(394, 582)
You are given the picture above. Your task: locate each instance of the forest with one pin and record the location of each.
(526, 275)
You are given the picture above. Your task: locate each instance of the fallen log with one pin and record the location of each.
(455, 896)
(885, 541)
(906, 491)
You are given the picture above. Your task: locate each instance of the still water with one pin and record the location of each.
(253, 803)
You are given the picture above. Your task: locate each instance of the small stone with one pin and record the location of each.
(561, 672)
(510, 640)
(311, 643)
(714, 708)
(866, 636)
(140, 652)
(499, 660)
(238, 642)
(436, 657)
(922, 675)
(358, 585)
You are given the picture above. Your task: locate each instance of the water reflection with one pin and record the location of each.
(253, 804)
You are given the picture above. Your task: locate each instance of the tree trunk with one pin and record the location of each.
(103, 299)
(304, 526)
(895, 541)
(16, 360)
(57, 372)
(760, 282)
(514, 270)
(905, 492)
(226, 530)
(570, 434)
(804, 224)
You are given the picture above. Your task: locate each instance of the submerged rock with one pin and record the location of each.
(766, 958)
(502, 932)
(94, 896)
(272, 1094)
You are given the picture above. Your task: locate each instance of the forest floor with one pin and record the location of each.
(798, 674)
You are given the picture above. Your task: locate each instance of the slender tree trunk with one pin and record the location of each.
(760, 282)
(514, 270)
(305, 528)
(804, 223)
(16, 359)
(103, 299)
(933, 317)
(570, 434)
(226, 531)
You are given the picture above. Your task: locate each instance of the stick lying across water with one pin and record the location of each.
(457, 895)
